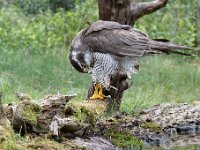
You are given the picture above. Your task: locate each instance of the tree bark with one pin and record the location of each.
(126, 11)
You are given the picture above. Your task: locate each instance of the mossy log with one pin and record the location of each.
(54, 115)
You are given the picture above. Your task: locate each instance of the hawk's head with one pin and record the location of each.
(81, 61)
(81, 57)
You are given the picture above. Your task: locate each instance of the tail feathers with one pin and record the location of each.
(166, 47)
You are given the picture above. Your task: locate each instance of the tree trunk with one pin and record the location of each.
(124, 12)
(118, 11)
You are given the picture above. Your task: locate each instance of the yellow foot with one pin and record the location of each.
(101, 91)
(96, 96)
(102, 95)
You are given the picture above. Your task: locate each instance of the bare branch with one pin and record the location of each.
(140, 9)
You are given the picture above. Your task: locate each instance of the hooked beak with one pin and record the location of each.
(89, 70)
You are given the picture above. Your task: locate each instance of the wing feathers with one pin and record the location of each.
(122, 40)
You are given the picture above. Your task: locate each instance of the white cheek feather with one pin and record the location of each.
(74, 54)
(87, 58)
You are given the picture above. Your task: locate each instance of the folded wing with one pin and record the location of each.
(123, 40)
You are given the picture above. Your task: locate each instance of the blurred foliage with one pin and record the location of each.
(66, 4)
(176, 22)
(46, 32)
(32, 6)
(38, 6)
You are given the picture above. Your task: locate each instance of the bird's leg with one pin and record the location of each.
(101, 91)
(96, 92)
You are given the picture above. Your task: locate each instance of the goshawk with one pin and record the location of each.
(106, 47)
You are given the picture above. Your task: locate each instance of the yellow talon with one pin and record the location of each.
(101, 91)
(94, 96)
(98, 94)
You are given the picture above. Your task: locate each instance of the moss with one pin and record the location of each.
(7, 140)
(11, 145)
(123, 139)
(81, 113)
(30, 111)
(151, 126)
(90, 116)
(5, 133)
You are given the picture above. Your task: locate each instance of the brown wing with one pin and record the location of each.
(122, 40)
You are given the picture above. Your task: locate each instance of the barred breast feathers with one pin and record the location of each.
(104, 66)
(107, 64)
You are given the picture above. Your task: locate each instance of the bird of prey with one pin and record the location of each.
(106, 47)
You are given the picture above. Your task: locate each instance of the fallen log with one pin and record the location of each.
(54, 114)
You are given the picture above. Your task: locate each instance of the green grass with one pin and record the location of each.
(164, 78)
